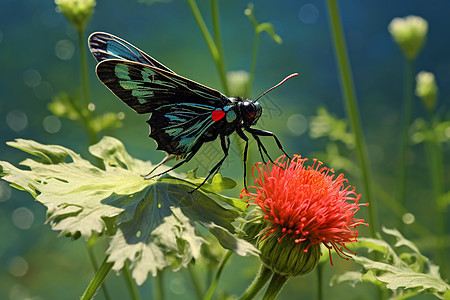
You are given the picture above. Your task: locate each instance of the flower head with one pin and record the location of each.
(78, 12)
(303, 207)
(427, 89)
(410, 34)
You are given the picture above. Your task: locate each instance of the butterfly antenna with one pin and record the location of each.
(274, 87)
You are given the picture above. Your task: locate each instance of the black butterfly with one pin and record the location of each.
(184, 114)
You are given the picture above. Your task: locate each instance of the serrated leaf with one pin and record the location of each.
(151, 222)
(408, 271)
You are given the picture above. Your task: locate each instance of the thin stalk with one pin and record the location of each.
(84, 70)
(85, 113)
(319, 282)
(194, 278)
(98, 279)
(131, 284)
(258, 283)
(351, 104)
(94, 264)
(218, 59)
(214, 283)
(404, 147)
(275, 286)
(217, 37)
(434, 153)
(159, 287)
(253, 62)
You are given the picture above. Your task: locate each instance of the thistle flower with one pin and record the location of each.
(426, 89)
(410, 34)
(78, 12)
(302, 207)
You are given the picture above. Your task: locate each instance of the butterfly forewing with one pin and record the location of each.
(145, 88)
(107, 46)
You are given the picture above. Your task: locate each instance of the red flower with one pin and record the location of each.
(306, 204)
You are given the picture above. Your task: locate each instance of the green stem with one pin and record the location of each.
(275, 286)
(253, 62)
(404, 147)
(213, 49)
(131, 284)
(434, 153)
(214, 283)
(258, 283)
(349, 96)
(159, 287)
(84, 69)
(85, 114)
(319, 282)
(97, 280)
(94, 264)
(194, 278)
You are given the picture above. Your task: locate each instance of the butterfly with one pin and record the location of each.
(184, 113)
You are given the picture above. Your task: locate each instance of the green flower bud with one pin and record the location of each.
(410, 34)
(78, 12)
(426, 89)
(238, 82)
(288, 258)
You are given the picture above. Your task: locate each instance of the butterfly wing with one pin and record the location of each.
(181, 108)
(107, 46)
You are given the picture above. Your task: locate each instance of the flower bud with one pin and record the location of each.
(238, 81)
(78, 12)
(426, 89)
(410, 34)
(286, 257)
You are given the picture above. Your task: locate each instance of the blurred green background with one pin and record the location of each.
(39, 58)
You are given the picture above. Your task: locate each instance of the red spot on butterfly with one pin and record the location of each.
(217, 115)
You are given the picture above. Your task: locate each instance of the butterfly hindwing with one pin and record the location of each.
(179, 128)
(107, 46)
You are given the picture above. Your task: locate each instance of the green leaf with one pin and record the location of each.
(327, 125)
(107, 120)
(152, 223)
(267, 27)
(405, 274)
(63, 105)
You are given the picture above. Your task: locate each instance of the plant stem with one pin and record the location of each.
(433, 151)
(94, 263)
(84, 70)
(194, 278)
(404, 147)
(319, 282)
(159, 287)
(85, 114)
(258, 283)
(97, 280)
(213, 49)
(131, 284)
(214, 283)
(275, 286)
(349, 96)
(253, 62)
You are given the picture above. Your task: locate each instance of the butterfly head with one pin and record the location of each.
(250, 111)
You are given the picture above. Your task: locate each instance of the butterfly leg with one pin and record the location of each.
(188, 158)
(245, 138)
(261, 146)
(259, 132)
(166, 159)
(225, 143)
